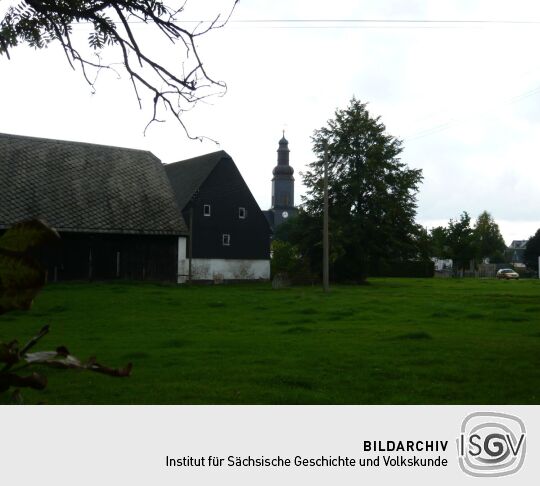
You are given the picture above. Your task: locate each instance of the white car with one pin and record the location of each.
(508, 274)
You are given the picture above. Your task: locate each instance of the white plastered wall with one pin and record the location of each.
(218, 268)
(221, 269)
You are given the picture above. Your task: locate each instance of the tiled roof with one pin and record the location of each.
(518, 244)
(83, 187)
(187, 176)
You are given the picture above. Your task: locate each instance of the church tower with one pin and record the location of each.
(282, 186)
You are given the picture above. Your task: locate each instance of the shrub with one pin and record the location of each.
(287, 261)
(414, 269)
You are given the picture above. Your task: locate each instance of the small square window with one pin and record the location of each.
(226, 240)
(242, 213)
(206, 210)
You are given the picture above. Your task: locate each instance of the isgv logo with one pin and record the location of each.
(491, 444)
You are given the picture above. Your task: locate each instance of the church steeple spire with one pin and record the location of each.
(283, 151)
(283, 182)
(282, 187)
(283, 168)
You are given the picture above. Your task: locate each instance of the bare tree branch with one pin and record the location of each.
(40, 22)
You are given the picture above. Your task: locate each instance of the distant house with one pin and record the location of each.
(113, 207)
(229, 234)
(515, 253)
(441, 264)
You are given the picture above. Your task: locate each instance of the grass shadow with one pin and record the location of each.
(419, 335)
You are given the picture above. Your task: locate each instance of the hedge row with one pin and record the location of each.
(414, 269)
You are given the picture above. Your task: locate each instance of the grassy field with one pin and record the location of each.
(394, 341)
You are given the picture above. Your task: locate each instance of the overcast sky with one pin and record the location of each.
(464, 97)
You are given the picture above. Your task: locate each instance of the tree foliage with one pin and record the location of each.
(304, 234)
(532, 251)
(488, 239)
(465, 244)
(438, 246)
(372, 193)
(173, 88)
(21, 275)
(288, 263)
(460, 241)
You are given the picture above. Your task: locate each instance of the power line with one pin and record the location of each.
(387, 21)
(355, 23)
(457, 121)
(373, 23)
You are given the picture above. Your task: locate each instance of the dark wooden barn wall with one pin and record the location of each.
(226, 191)
(81, 256)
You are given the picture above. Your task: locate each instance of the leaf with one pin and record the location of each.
(9, 353)
(28, 235)
(20, 281)
(35, 381)
(21, 274)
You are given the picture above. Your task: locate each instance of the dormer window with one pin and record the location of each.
(242, 213)
(226, 240)
(206, 210)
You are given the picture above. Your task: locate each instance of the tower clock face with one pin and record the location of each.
(285, 214)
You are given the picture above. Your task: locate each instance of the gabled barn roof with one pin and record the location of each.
(81, 187)
(188, 175)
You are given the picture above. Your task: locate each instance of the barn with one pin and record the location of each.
(113, 207)
(230, 235)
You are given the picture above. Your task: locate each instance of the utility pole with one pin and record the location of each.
(326, 283)
(190, 275)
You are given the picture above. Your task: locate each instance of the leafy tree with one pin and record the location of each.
(460, 241)
(423, 243)
(171, 88)
(439, 242)
(488, 239)
(304, 233)
(464, 244)
(372, 194)
(532, 251)
(288, 262)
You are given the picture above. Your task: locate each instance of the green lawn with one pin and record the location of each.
(394, 341)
